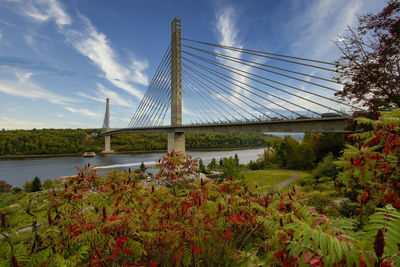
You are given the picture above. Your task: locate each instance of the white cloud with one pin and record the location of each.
(1, 34)
(83, 111)
(89, 42)
(9, 124)
(95, 45)
(102, 93)
(25, 87)
(43, 11)
(227, 34)
(320, 24)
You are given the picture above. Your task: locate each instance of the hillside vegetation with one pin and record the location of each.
(66, 141)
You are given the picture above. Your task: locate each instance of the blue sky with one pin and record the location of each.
(59, 60)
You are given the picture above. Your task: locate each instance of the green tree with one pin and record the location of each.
(369, 67)
(236, 158)
(27, 186)
(213, 164)
(221, 162)
(36, 185)
(326, 168)
(202, 168)
(142, 168)
(229, 169)
(48, 184)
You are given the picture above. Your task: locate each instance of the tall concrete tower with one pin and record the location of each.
(176, 140)
(107, 138)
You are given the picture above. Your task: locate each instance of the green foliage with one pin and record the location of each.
(16, 190)
(230, 169)
(27, 186)
(36, 185)
(63, 141)
(371, 172)
(386, 219)
(213, 164)
(323, 203)
(265, 180)
(202, 168)
(4, 187)
(48, 184)
(142, 168)
(118, 221)
(236, 158)
(286, 153)
(326, 168)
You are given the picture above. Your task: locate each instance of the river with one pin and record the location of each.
(19, 170)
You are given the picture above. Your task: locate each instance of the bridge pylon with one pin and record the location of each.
(176, 140)
(107, 138)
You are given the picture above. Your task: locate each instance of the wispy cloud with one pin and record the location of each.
(43, 11)
(227, 33)
(23, 86)
(89, 42)
(321, 23)
(102, 93)
(9, 123)
(95, 45)
(83, 111)
(1, 34)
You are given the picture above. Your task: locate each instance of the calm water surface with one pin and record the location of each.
(17, 171)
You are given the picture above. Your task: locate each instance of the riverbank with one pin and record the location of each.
(124, 152)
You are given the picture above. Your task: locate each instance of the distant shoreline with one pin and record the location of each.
(121, 152)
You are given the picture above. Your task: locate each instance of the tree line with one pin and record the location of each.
(292, 154)
(66, 141)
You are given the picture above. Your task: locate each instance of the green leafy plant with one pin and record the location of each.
(371, 167)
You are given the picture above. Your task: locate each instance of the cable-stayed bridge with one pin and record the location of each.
(206, 87)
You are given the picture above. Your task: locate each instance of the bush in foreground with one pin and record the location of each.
(115, 221)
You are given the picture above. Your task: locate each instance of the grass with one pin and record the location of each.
(303, 174)
(266, 179)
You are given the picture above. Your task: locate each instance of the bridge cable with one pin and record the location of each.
(152, 100)
(196, 115)
(230, 101)
(205, 99)
(277, 88)
(200, 104)
(219, 76)
(263, 54)
(144, 119)
(148, 91)
(215, 82)
(238, 60)
(261, 64)
(149, 88)
(205, 86)
(228, 68)
(198, 91)
(160, 99)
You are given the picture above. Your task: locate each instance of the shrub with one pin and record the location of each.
(371, 174)
(230, 170)
(36, 185)
(326, 168)
(27, 186)
(48, 184)
(4, 187)
(16, 190)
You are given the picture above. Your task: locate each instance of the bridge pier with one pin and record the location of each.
(176, 140)
(107, 138)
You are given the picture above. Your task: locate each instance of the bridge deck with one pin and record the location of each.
(320, 125)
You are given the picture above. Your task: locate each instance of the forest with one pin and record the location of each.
(72, 141)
